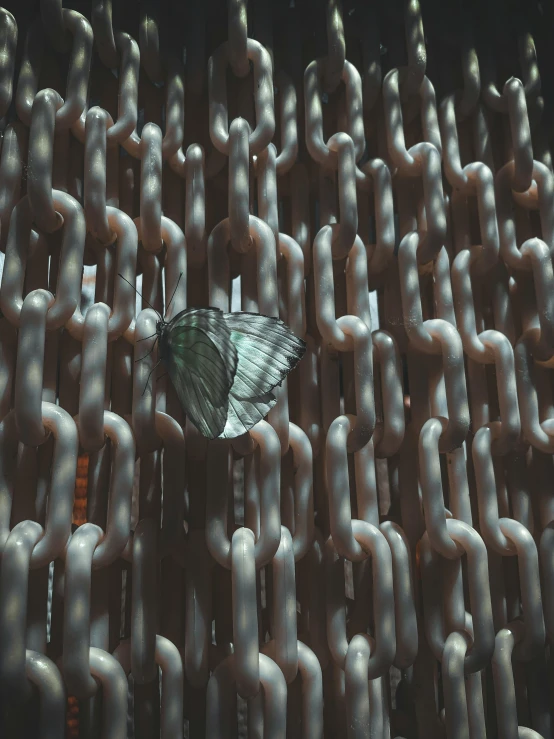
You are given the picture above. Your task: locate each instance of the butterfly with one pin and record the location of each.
(224, 366)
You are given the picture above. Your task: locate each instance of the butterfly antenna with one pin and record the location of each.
(140, 295)
(174, 291)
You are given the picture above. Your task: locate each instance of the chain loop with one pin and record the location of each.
(78, 75)
(263, 98)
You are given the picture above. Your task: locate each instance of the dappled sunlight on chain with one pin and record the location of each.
(374, 558)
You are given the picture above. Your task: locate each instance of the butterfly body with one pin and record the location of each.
(225, 365)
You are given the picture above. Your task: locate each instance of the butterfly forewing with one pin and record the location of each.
(201, 361)
(267, 351)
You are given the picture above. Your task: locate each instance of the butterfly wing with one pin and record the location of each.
(201, 361)
(267, 351)
(243, 414)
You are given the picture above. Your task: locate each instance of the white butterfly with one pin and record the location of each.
(225, 365)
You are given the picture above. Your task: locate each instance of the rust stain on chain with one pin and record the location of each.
(80, 503)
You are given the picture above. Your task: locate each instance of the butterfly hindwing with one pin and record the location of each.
(267, 351)
(244, 414)
(201, 361)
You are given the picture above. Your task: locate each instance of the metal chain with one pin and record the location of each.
(376, 559)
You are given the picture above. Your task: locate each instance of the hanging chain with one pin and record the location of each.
(376, 558)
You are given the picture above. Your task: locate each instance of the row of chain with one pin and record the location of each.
(395, 512)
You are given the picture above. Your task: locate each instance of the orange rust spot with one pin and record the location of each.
(80, 504)
(72, 720)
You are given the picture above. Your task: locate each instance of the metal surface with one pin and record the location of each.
(376, 559)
